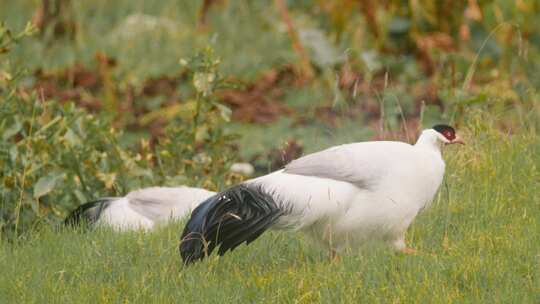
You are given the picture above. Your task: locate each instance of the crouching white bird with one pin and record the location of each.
(343, 196)
(141, 209)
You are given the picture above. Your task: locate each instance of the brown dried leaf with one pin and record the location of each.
(260, 101)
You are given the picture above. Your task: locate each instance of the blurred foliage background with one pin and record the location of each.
(98, 98)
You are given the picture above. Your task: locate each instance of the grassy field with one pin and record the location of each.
(478, 243)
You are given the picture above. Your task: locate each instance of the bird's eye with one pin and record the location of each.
(448, 134)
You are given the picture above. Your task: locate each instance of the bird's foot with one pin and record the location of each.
(408, 250)
(334, 256)
(399, 245)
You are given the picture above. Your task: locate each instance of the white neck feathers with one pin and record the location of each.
(429, 139)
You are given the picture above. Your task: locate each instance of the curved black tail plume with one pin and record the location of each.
(239, 214)
(87, 213)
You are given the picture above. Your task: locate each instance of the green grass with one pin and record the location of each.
(478, 243)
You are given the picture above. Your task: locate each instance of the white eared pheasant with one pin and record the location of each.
(343, 196)
(141, 209)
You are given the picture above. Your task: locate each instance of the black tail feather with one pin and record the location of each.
(239, 214)
(88, 213)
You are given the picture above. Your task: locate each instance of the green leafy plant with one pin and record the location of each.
(55, 156)
(196, 133)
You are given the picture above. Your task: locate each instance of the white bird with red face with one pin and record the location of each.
(343, 197)
(140, 209)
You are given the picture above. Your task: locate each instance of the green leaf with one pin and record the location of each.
(80, 196)
(34, 204)
(14, 129)
(72, 138)
(45, 185)
(224, 111)
(204, 82)
(13, 153)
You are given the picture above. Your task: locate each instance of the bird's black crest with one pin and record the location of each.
(446, 130)
(239, 214)
(87, 213)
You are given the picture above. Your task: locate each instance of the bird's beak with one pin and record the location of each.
(457, 140)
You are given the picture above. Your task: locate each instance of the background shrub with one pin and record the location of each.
(55, 156)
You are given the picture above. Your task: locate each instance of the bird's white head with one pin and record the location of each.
(439, 135)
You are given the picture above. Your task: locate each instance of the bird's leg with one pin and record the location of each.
(399, 245)
(408, 250)
(334, 256)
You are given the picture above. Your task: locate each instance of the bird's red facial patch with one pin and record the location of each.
(449, 134)
(446, 131)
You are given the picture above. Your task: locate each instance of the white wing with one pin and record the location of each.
(360, 164)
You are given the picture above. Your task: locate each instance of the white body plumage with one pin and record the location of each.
(343, 197)
(146, 208)
(395, 181)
